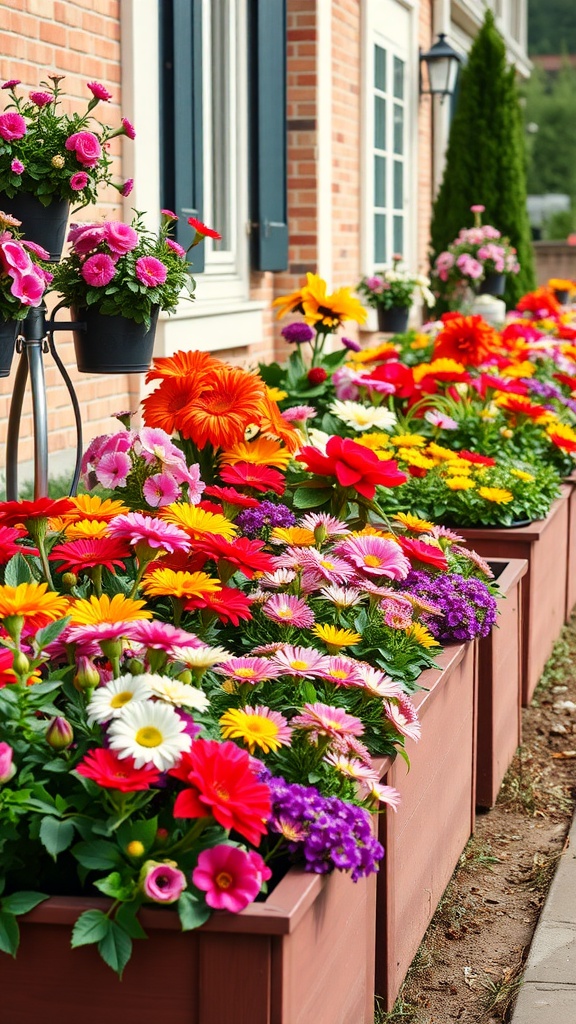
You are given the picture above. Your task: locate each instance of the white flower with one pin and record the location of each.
(200, 657)
(151, 733)
(109, 701)
(363, 417)
(183, 695)
(318, 439)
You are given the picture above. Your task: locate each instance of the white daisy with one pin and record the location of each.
(151, 733)
(182, 695)
(200, 657)
(363, 417)
(109, 701)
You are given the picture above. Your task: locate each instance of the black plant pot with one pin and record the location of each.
(113, 344)
(393, 320)
(562, 294)
(493, 284)
(8, 332)
(45, 225)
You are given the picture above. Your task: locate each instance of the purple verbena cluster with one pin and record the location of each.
(326, 831)
(468, 608)
(545, 389)
(259, 522)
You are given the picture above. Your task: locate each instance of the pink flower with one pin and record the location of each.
(38, 250)
(440, 420)
(376, 794)
(288, 610)
(127, 187)
(469, 266)
(129, 129)
(169, 214)
(176, 247)
(29, 288)
(299, 413)
(17, 166)
(156, 443)
(327, 565)
(120, 238)
(11, 83)
(299, 661)
(323, 720)
(162, 882)
(86, 146)
(136, 527)
(79, 181)
(85, 237)
(113, 469)
(403, 717)
(477, 208)
(41, 99)
(161, 636)
(7, 768)
(325, 524)
(98, 270)
(150, 271)
(375, 556)
(341, 671)
(249, 670)
(14, 255)
(160, 489)
(230, 877)
(99, 91)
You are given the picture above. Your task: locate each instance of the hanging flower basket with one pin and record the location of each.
(493, 284)
(393, 320)
(45, 225)
(113, 344)
(8, 333)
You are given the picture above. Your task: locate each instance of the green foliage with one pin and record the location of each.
(550, 103)
(551, 26)
(485, 161)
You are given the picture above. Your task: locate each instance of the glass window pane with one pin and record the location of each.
(398, 79)
(398, 184)
(398, 129)
(398, 235)
(221, 155)
(379, 181)
(380, 68)
(379, 122)
(379, 238)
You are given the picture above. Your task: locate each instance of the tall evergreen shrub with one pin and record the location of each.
(485, 160)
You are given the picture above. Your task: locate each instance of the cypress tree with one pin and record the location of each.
(485, 160)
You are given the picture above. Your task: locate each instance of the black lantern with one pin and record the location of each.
(442, 62)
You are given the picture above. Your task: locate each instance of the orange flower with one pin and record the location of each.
(32, 600)
(468, 339)
(162, 582)
(164, 407)
(104, 609)
(542, 302)
(90, 506)
(273, 424)
(181, 364)
(289, 303)
(221, 405)
(261, 452)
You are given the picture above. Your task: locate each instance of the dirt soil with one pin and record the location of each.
(470, 964)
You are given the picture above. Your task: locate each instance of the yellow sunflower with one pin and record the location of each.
(106, 609)
(168, 582)
(329, 311)
(197, 522)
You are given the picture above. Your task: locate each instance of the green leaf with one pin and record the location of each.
(91, 926)
(22, 902)
(127, 919)
(191, 911)
(56, 835)
(9, 933)
(115, 948)
(311, 497)
(17, 571)
(97, 854)
(113, 886)
(50, 633)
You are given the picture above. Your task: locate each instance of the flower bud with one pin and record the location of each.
(506, 432)
(135, 667)
(185, 676)
(7, 766)
(69, 580)
(58, 161)
(59, 733)
(162, 835)
(135, 848)
(162, 882)
(87, 675)
(20, 664)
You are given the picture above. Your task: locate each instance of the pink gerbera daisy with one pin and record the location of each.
(277, 579)
(376, 793)
(299, 661)
(288, 610)
(162, 636)
(376, 682)
(376, 556)
(330, 526)
(98, 631)
(248, 670)
(342, 597)
(323, 720)
(352, 768)
(342, 671)
(403, 717)
(332, 568)
(149, 534)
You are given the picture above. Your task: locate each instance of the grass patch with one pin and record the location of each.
(500, 994)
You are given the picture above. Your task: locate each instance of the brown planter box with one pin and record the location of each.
(500, 684)
(426, 836)
(544, 544)
(571, 576)
(304, 956)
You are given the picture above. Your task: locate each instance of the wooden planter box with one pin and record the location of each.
(571, 575)
(544, 544)
(500, 684)
(304, 956)
(426, 836)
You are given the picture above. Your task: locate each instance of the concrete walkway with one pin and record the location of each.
(548, 993)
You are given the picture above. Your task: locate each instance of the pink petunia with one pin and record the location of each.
(150, 271)
(14, 255)
(160, 489)
(98, 270)
(230, 877)
(85, 237)
(113, 469)
(127, 187)
(176, 247)
(38, 250)
(29, 288)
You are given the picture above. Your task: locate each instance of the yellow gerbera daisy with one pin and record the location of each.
(90, 506)
(106, 609)
(297, 535)
(86, 528)
(173, 583)
(31, 599)
(197, 522)
(523, 475)
(458, 468)
(256, 727)
(408, 440)
(437, 366)
(412, 522)
(335, 638)
(523, 369)
(459, 483)
(498, 495)
(261, 452)
(416, 631)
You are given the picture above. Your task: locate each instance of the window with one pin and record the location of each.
(389, 143)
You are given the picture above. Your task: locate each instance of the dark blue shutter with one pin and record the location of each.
(182, 162)
(268, 177)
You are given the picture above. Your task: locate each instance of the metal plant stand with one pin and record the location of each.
(37, 339)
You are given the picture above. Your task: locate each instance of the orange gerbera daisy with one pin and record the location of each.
(166, 405)
(181, 364)
(32, 600)
(273, 424)
(106, 609)
(90, 507)
(467, 339)
(166, 582)
(227, 400)
(261, 452)
(83, 528)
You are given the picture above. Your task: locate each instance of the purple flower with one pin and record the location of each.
(259, 522)
(467, 609)
(127, 187)
(297, 333)
(349, 343)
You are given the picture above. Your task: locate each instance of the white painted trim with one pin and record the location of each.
(211, 327)
(139, 34)
(324, 73)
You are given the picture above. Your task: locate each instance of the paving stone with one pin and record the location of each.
(552, 956)
(545, 1004)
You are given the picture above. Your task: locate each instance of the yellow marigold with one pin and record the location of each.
(498, 495)
(408, 440)
(437, 366)
(370, 355)
(414, 457)
(412, 522)
(261, 452)
(168, 582)
(197, 522)
(373, 440)
(106, 609)
(32, 599)
(459, 483)
(297, 535)
(458, 468)
(90, 506)
(523, 475)
(523, 369)
(437, 451)
(416, 631)
(334, 637)
(87, 528)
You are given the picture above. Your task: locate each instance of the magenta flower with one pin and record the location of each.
(41, 99)
(86, 146)
(288, 610)
(98, 270)
(156, 443)
(150, 271)
(376, 682)
(136, 527)
(11, 83)
(161, 636)
(299, 413)
(162, 882)
(169, 214)
(248, 670)
(127, 187)
(38, 250)
(129, 129)
(7, 768)
(477, 208)
(325, 524)
(230, 877)
(176, 247)
(323, 720)
(120, 238)
(85, 237)
(29, 288)
(113, 469)
(376, 556)
(403, 717)
(341, 671)
(97, 632)
(79, 181)
(160, 489)
(17, 166)
(13, 255)
(99, 91)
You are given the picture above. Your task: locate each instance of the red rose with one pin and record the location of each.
(352, 465)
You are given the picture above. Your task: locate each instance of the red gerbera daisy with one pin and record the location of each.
(222, 784)
(8, 545)
(88, 552)
(229, 604)
(480, 460)
(420, 551)
(232, 497)
(245, 556)
(111, 772)
(12, 513)
(202, 230)
(260, 478)
(468, 339)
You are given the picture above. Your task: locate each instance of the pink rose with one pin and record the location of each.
(16, 166)
(12, 126)
(162, 883)
(98, 270)
(230, 877)
(121, 238)
(150, 271)
(79, 181)
(86, 146)
(7, 768)
(14, 255)
(29, 287)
